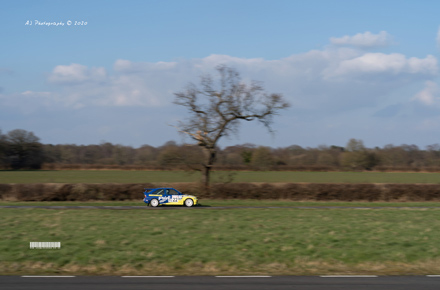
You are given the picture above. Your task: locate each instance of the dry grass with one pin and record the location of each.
(300, 266)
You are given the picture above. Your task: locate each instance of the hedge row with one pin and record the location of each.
(331, 192)
(289, 191)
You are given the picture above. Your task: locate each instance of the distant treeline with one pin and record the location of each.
(20, 149)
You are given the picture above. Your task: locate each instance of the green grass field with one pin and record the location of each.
(211, 242)
(103, 176)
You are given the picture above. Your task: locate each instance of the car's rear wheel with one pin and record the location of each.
(189, 202)
(154, 202)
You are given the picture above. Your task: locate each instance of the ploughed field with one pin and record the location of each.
(120, 176)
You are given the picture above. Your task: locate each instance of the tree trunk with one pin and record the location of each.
(210, 159)
(206, 175)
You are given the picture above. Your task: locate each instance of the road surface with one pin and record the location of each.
(217, 283)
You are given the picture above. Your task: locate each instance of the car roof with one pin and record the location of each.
(156, 188)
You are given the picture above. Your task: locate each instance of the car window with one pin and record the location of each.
(160, 191)
(172, 192)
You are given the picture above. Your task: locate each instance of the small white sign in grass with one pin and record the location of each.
(45, 245)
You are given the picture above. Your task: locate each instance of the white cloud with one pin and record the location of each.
(342, 85)
(364, 40)
(334, 79)
(76, 74)
(126, 66)
(83, 86)
(429, 95)
(30, 101)
(394, 63)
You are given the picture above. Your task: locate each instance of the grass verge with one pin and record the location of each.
(217, 242)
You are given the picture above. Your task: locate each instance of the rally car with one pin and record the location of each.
(168, 196)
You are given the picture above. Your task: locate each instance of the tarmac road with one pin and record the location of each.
(217, 283)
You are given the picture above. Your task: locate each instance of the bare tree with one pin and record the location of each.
(23, 150)
(215, 109)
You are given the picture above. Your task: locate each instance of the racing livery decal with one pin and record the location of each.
(168, 196)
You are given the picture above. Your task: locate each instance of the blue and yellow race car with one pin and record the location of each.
(168, 196)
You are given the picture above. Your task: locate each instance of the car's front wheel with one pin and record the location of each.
(154, 202)
(189, 202)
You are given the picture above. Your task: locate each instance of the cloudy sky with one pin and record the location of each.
(350, 69)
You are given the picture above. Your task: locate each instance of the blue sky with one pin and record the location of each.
(351, 69)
